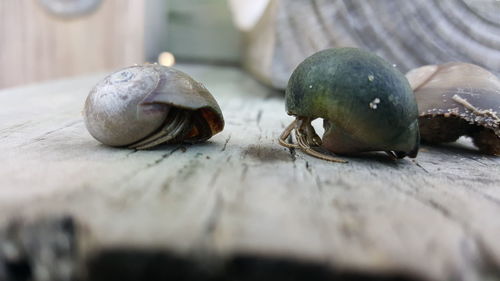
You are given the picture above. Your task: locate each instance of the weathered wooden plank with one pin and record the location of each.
(241, 203)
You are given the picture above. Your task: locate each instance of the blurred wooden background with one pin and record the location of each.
(406, 33)
(36, 45)
(202, 31)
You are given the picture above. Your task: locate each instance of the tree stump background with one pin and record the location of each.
(406, 33)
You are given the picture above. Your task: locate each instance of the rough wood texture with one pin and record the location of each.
(406, 33)
(239, 207)
(36, 45)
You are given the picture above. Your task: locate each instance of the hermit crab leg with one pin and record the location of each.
(305, 128)
(303, 141)
(168, 132)
(286, 133)
(165, 130)
(306, 136)
(181, 129)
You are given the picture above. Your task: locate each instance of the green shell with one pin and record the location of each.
(368, 105)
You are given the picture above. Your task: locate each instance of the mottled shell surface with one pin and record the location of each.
(366, 103)
(133, 103)
(456, 99)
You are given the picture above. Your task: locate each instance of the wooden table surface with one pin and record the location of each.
(239, 207)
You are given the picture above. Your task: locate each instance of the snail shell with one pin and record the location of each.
(457, 99)
(144, 106)
(366, 104)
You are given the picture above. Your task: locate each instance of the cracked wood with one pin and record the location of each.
(240, 193)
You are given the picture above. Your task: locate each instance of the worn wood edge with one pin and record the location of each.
(56, 246)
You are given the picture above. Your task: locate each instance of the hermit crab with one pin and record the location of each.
(147, 105)
(458, 99)
(366, 105)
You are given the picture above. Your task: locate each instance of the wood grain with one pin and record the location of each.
(36, 45)
(239, 207)
(406, 33)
